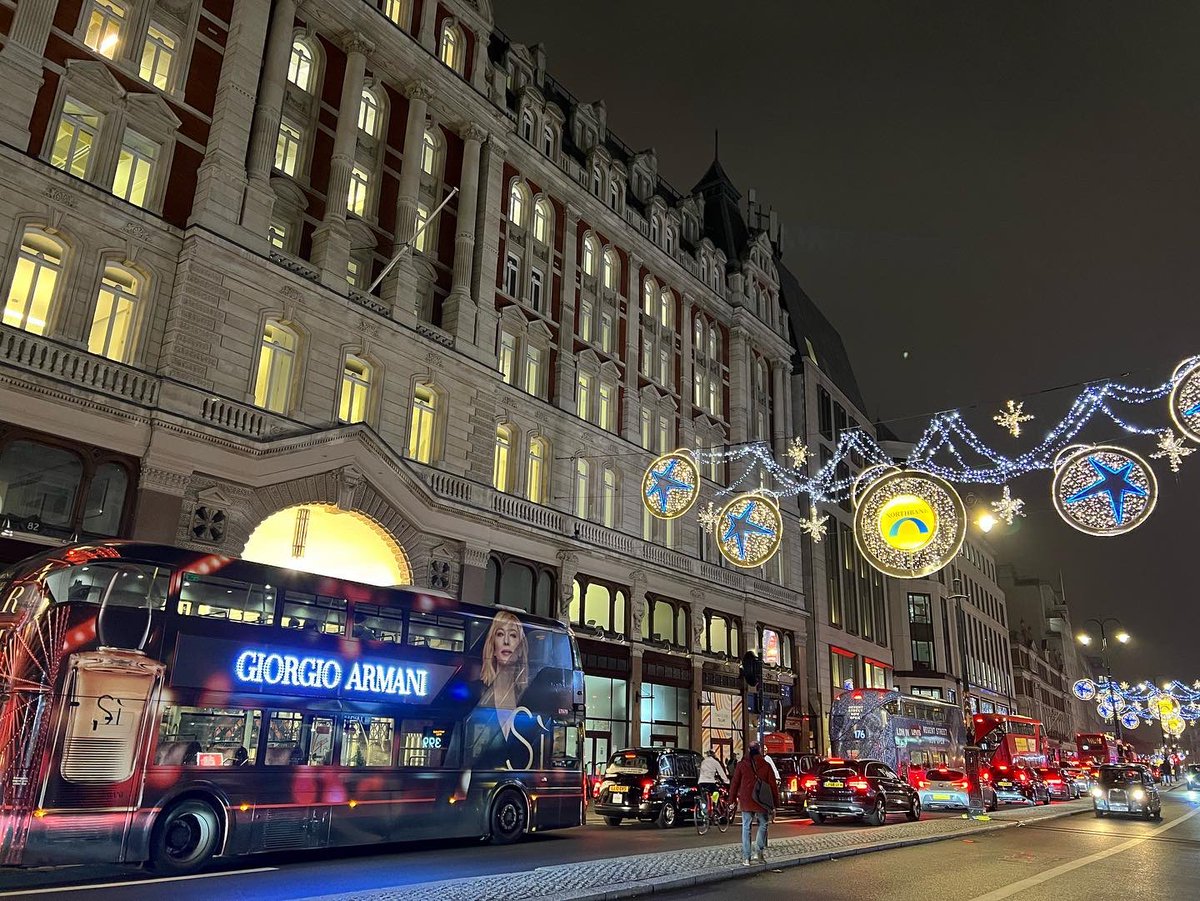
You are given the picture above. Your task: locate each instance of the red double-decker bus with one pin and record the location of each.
(169, 706)
(1095, 749)
(1009, 739)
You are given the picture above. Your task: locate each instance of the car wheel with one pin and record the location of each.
(995, 805)
(668, 816)
(509, 817)
(817, 818)
(1158, 814)
(878, 816)
(613, 821)
(185, 838)
(914, 810)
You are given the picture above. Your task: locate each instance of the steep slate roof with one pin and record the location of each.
(723, 223)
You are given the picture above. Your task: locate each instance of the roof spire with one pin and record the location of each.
(717, 144)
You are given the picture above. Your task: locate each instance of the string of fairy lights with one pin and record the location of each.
(1175, 705)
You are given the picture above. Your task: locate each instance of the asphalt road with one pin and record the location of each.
(1079, 858)
(296, 874)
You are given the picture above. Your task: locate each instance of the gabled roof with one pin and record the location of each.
(723, 222)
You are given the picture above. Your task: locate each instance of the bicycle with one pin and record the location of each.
(710, 809)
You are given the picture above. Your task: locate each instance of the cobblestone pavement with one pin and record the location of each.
(660, 871)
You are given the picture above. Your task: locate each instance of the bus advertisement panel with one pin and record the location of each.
(909, 734)
(169, 706)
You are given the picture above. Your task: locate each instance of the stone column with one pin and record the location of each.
(687, 389)
(21, 68)
(739, 385)
(568, 570)
(458, 312)
(631, 427)
(567, 305)
(399, 289)
(260, 199)
(635, 695)
(331, 240)
(779, 407)
(487, 246)
(425, 33)
(221, 183)
(479, 64)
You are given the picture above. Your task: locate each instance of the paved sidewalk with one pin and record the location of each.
(642, 874)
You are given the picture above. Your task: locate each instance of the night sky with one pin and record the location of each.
(1006, 192)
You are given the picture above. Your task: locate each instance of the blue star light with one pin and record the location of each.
(663, 483)
(1192, 411)
(741, 526)
(1113, 482)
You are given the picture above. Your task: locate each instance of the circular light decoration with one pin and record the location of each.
(908, 523)
(749, 530)
(1085, 689)
(1103, 490)
(1166, 707)
(1185, 399)
(1105, 709)
(1174, 726)
(1130, 720)
(670, 486)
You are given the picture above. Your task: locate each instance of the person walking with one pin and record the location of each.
(757, 794)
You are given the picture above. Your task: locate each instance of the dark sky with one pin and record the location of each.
(1008, 192)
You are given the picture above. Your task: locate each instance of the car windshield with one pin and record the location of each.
(627, 764)
(945, 775)
(1119, 776)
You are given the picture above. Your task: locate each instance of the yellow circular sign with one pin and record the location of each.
(907, 522)
(1167, 707)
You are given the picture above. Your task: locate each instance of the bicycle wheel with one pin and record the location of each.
(701, 818)
(723, 817)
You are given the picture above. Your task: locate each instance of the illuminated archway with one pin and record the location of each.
(321, 538)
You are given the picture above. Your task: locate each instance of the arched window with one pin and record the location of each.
(115, 316)
(356, 390)
(589, 255)
(649, 296)
(41, 482)
(704, 269)
(517, 201)
(612, 269)
(655, 228)
(670, 240)
(714, 344)
(614, 194)
(582, 473)
(452, 50)
(421, 426)
(368, 113)
(105, 501)
(548, 141)
(698, 336)
(535, 470)
(32, 294)
(300, 66)
(431, 154)
(609, 497)
(502, 458)
(542, 220)
(527, 126)
(276, 368)
(597, 180)
(666, 307)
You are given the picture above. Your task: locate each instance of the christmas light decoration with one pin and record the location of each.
(1185, 398)
(1084, 689)
(1011, 418)
(1172, 448)
(1008, 507)
(797, 453)
(669, 488)
(709, 517)
(908, 524)
(1103, 490)
(814, 526)
(751, 530)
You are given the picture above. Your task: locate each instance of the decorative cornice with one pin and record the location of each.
(164, 480)
(419, 89)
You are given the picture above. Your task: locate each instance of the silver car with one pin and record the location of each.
(949, 789)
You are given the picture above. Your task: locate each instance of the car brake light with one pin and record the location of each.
(835, 760)
(1053, 781)
(810, 782)
(921, 783)
(966, 785)
(1023, 777)
(793, 784)
(861, 784)
(1002, 767)
(647, 784)
(985, 776)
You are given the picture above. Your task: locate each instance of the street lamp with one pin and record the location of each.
(1123, 638)
(971, 751)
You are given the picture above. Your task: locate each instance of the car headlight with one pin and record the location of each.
(1097, 793)
(1139, 795)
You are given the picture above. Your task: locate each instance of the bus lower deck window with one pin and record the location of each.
(424, 743)
(367, 740)
(207, 736)
(299, 739)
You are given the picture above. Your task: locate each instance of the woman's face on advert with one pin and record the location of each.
(507, 643)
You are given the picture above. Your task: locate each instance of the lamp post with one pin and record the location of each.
(1121, 636)
(971, 752)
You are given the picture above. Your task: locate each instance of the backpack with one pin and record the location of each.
(763, 796)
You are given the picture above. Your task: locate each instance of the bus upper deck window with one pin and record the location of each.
(229, 599)
(446, 633)
(313, 613)
(376, 623)
(113, 583)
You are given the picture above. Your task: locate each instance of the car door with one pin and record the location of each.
(896, 795)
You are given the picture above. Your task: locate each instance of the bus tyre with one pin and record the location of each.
(185, 838)
(509, 817)
(668, 816)
(613, 821)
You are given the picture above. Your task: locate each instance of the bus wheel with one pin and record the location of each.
(509, 817)
(185, 838)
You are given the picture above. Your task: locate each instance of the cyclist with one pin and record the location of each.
(712, 777)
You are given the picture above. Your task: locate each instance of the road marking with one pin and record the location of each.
(1017, 887)
(132, 883)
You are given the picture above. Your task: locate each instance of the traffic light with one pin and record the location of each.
(751, 668)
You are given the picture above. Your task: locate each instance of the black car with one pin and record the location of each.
(1127, 788)
(648, 784)
(797, 776)
(1058, 785)
(867, 789)
(1191, 776)
(1019, 785)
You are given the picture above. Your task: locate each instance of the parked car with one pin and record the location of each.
(1081, 778)
(1126, 789)
(649, 784)
(1191, 776)
(797, 777)
(866, 789)
(949, 789)
(1018, 785)
(1058, 786)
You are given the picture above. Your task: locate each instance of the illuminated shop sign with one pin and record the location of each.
(265, 667)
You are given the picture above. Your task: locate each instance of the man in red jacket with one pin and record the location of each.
(751, 770)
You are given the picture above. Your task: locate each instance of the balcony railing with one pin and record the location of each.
(61, 362)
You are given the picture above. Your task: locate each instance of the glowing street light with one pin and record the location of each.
(986, 522)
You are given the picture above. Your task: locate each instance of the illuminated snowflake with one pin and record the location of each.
(1172, 448)
(814, 526)
(797, 453)
(709, 517)
(1011, 418)
(1008, 507)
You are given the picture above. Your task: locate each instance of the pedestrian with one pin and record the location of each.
(732, 763)
(757, 794)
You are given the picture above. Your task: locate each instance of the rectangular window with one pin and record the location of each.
(360, 186)
(825, 413)
(367, 740)
(647, 429)
(135, 168)
(299, 739)
(378, 623)
(533, 371)
(606, 332)
(536, 279)
(664, 366)
(585, 320)
(429, 630)
(647, 356)
(918, 609)
(608, 408)
(508, 356)
(77, 128)
(842, 666)
(313, 613)
(421, 229)
(581, 489)
(287, 146)
(277, 234)
(664, 435)
(215, 598)
(158, 56)
(424, 743)
(874, 674)
(512, 275)
(207, 736)
(105, 20)
(583, 397)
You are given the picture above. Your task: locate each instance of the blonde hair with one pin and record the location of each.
(520, 662)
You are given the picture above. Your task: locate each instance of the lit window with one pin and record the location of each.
(548, 141)
(277, 234)
(508, 356)
(581, 488)
(664, 434)
(451, 50)
(647, 356)
(516, 204)
(535, 470)
(114, 319)
(158, 56)
(609, 499)
(698, 335)
(612, 269)
(420, 430)
(608, 408)
(512, 275)
(368, 113)
(135, 168)
(714, 343)
(698, 388)
(105, 20)
(589, 255)
(360, 185)
(583, 396)
(533, 371)
(647, 426)
(649, 292)
(664, 366)
(421, 232)
(276, 363)
(287, 146)
(502, 458)
(397, 11)
(300, 66)
(77, 127)
(585, 319)
(356, 390)
(354, 273)
(38, 266)
(541, 221)
(429, 153)
(667, 308)
(536, 289)
(714, 398)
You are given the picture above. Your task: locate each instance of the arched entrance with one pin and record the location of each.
(321, 538)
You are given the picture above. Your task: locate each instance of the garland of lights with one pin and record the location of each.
(1175, 705)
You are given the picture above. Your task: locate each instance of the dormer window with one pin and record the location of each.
(614, 195)
(527, 126)
(597, 180)
(548, 141)
(655, 228)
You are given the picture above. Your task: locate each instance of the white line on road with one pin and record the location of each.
(1009, 890)
(132, 883)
